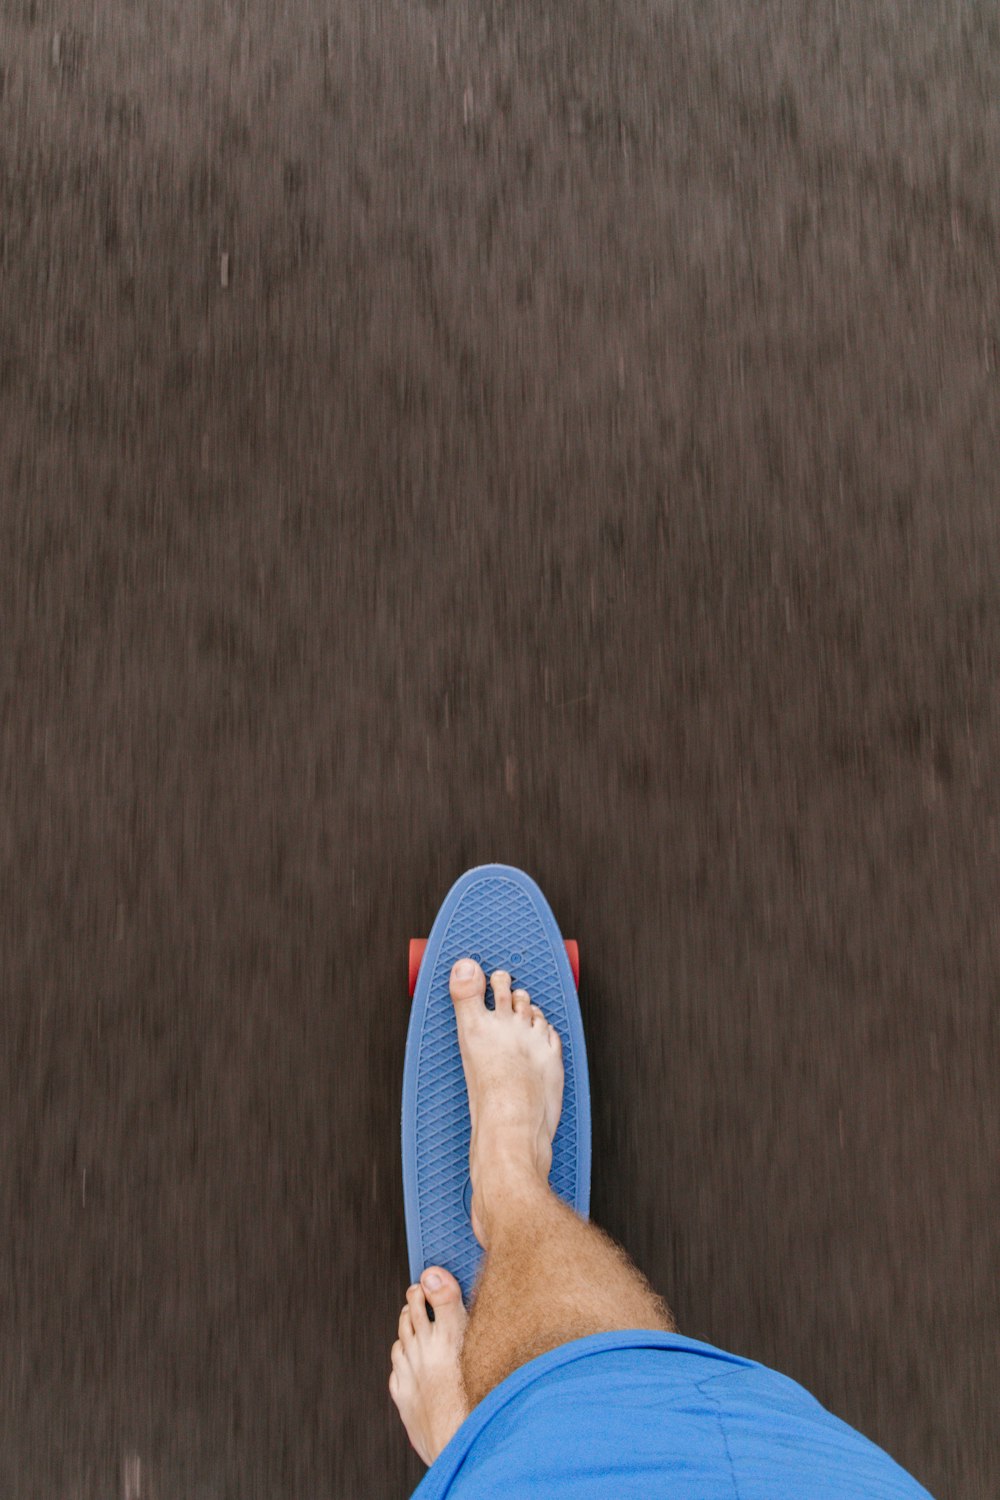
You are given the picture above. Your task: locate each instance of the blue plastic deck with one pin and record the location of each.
(497, 915)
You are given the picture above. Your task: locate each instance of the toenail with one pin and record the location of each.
(432, 1281)
(465, 969)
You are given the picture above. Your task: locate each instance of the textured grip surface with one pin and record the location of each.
(497, 915)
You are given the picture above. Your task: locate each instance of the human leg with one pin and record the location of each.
(549, 1276)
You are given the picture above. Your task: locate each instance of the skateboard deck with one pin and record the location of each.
(497, 915)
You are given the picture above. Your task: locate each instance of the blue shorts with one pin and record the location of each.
(638, 1415)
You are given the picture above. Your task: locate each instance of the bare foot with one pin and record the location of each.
(514, 1073)
(426, 1380)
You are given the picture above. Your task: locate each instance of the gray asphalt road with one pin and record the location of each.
(432, 434)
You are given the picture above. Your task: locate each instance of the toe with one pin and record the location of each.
(405, 1326)
(445, 1296)
(467, 985)
(500, 981)
(400, 1376)
(522, 1003)
(417, 1308)
(537, 1018)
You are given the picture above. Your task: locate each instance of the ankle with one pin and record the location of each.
(508, 1188)
(507, 1156)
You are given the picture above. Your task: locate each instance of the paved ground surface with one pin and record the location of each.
(442, 433)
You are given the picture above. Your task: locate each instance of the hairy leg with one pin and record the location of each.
(548, 1277)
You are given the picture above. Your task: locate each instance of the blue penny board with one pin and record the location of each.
(498, 916)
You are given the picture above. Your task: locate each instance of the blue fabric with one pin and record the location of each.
(638, 1415)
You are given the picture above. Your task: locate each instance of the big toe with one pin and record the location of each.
(467, 985)
(445, 1296)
